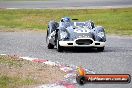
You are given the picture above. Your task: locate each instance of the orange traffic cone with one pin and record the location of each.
(81, 71)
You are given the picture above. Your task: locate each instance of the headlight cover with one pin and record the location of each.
(101, 34)
(63, 35)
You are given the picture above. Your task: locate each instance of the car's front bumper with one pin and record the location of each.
(74, 44)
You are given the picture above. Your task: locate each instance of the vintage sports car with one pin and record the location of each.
(75, 34)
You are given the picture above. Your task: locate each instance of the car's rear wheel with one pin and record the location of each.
(59, 48)
(100, 49)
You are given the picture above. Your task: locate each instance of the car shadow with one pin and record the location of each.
(80, 50)
(94, 50)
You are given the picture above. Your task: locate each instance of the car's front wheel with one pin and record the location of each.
(100, 49)
(59, 48)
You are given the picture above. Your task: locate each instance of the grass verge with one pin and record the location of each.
(14, 82)
(115, 21)
(19, 73)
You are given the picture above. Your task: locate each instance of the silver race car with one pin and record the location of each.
(75, 34)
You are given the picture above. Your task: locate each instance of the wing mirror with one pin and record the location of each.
(74, 19)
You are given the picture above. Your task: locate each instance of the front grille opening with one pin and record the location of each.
(97, 43)
(70, 43)
(84, 41)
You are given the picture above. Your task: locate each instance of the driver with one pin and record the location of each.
(67, 19)
(65, 22)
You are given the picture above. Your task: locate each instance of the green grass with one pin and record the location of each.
(9, 62)
(115, 21)
(13, 82)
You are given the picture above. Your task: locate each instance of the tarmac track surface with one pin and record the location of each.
(116, 58)
(60, 4)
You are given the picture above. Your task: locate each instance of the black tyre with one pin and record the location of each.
(100, 49)
(81, 80)
(50, 46)
(59, 48)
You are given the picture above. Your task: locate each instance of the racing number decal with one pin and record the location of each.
(81, 30)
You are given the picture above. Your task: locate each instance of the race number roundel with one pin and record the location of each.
(82, 30)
